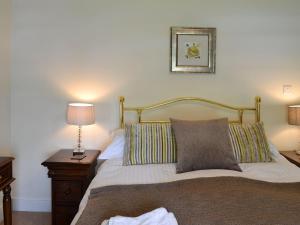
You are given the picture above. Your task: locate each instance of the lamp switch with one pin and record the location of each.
(287, 89)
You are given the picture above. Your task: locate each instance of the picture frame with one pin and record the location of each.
(193, 50)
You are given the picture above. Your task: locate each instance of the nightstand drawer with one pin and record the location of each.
(67, 191)
(6, 173)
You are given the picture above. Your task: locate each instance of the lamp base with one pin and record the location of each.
(78, 157)
(76, 152)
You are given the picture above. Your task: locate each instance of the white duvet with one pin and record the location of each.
(111, 172)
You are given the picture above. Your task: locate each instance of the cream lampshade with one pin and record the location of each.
(80, 114)
(294, 115)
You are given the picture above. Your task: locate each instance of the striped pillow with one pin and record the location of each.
(249, 143)
(149, 143)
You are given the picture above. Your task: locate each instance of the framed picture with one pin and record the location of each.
(193, 50)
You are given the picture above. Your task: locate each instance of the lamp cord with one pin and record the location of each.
(79, 139)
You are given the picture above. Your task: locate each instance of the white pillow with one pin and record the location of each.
(116, 148)
(274, 151)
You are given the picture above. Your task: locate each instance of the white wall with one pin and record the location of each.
(96, 50)
(5, 22)
(5, 77)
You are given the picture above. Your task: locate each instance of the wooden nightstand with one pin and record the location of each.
(292, 157)
(70, 179)
(6, 178)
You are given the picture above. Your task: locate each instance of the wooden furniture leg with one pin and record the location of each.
(7, 206)
(6, 179)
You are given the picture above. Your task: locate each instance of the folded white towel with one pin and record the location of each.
(158, 216)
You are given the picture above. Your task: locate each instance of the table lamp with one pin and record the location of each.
(294, 117)
(80, 114)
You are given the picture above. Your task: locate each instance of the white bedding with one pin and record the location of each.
(158, 216)
(111, 172)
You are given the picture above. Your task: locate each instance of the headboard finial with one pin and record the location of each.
(258, 99)
(257, 108)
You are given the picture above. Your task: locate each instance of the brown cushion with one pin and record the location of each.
(203, 145)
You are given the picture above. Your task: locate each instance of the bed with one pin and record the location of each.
(226, 196)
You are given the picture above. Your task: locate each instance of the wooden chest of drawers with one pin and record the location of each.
(6, 178)
(292, 157)
(70, 179)
(6, 173)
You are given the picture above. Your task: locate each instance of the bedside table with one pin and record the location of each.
(292, 157)
(6, 178)
(70, 179)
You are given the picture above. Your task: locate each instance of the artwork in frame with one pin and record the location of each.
(193, 50)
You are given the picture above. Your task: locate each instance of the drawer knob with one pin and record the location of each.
(51, 173)
(68, 191)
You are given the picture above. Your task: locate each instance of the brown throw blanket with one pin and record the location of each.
(201, 201)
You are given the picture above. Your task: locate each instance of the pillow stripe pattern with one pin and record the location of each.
(249, 143)
(149, 143)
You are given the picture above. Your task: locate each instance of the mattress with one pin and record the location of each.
(112, 172)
